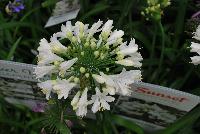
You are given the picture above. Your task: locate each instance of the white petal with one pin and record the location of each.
(195, 60)
(109, 98)
(107, 26)
(46, 88)
(114, 36)
(130, 49)
(75, 100)
(195, 47)
(46, 58)
(104, 104)
(63, 87)
(108, 80)
(82, 104)
(95, 106)
(109, 89)
(44, 46)
(67, 64)
(197, 33)
(125, 62)
(56, 45)
(40, 71)
(99, 78)
(95, 28)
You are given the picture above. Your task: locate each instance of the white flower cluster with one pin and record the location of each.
(74, 57)
(195, 47)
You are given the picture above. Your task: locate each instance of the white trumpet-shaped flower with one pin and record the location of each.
(120, 82)
(40, 71)
(197, 33)
(64, 66)
(115, 36)
(56, 46)
(47, 58)
(134, 60)
(94, 28)
(81, 56)
(63, 87)
(106, 29)
(128, 49)
(75, 100)
(47, 87)
(100, 101)
(66, 30)
(124, 79)
(195, 47)
(107, 26)
(82, 104)
(44, 46)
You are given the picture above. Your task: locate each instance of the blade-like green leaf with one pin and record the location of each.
(127, 123)
(12, 50)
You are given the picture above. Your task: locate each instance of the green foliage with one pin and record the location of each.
(165, 51)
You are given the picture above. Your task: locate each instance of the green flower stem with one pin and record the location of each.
(163, 47)
(153, 47)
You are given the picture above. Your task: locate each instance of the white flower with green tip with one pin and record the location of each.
(63, 87)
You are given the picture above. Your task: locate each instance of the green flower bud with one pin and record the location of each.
(82, 53)
(107, 69)
(76, 80)
(71, 78)
(93, 45)
(102, 56)
(87, 75)
(120, 57)
(96, 54)
(86, 44)
(82, 70)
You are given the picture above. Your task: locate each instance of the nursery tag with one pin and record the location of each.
(155, 107)
(64, 10)
(151, 106)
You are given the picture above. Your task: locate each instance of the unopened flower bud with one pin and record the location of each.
(93, 45)
(76, 80)
(82, 53)
(96, 54)
(86, 44)
(82, 70)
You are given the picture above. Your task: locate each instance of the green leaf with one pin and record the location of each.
(181, 123)
(12, 50)
(63, 129)
(97, 9)
(127, 123)
(48, 3)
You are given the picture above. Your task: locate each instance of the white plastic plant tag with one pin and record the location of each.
(151, 106)
(64, 10)
(155, 107)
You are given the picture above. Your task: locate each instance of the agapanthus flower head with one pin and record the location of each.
(85, 58)
(14, 7)
(154, 9)
(195, 47)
